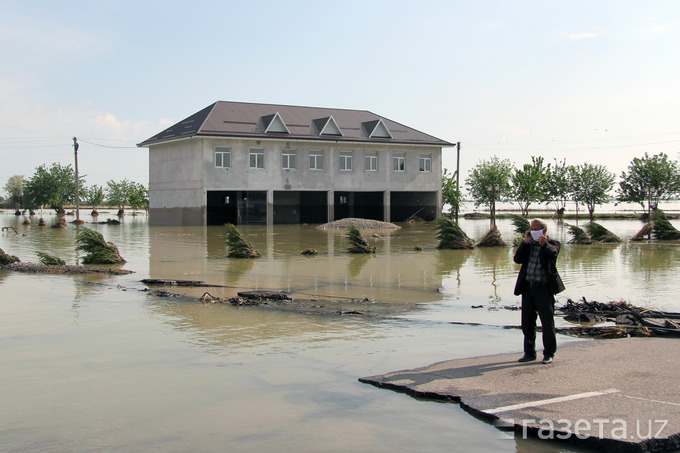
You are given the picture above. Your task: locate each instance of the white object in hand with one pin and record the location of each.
(536, 234)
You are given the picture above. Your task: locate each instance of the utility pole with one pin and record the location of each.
(458, 178)
(75, 153)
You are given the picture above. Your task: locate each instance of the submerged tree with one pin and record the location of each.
(15, 190)
(644, 233)
(357, 241)
(451, 236)
(521, 225)
(51, 187)
(558, 186)
(600, 234)
(7, 259)
(489, 180)
(138, 196)
(662, 229)
(650, 179)
(592, 184)
(492, 238)
(451, 193)
(94, 197)
(96, 249)
(579, 236)
(237, 245)
(529, 184)
(50, 260)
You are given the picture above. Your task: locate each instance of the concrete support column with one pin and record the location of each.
(440, 204)
(386, 206)
(331, 205)
(270, 207)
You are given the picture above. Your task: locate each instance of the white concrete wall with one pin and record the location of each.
(176, 175)
(181, 172)
(240, 176)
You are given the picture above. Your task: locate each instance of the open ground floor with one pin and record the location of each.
(267, 207)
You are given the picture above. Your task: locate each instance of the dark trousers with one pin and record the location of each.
(539, 300)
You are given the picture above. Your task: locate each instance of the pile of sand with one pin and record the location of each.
(360, 223)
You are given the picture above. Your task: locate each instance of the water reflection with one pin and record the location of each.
(236, 328)
(94, 356)
(641, 272)
(356, 263)
(652, 258)
(451, 261)
(393, 274)
(492, 263)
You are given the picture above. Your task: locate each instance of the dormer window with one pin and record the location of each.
(326, 126)
(375, 129)
(272, 124)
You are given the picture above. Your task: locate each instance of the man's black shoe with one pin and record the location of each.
(527, 358)
(547, 359)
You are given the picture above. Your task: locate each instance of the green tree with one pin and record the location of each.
(558, 184)
(93, 196)
(15, 191)
(138, 196)
(529, 184)
(592, 184)
(484, 176)
(118, 193)
(650, 179)
(450, 193)
(51, 187)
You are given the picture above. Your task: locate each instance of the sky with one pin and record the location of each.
(587, 81)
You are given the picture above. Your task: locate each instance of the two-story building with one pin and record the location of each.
(248, 163)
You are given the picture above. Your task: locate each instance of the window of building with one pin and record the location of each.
(288, 159)
(223, 157)
(345, 160)
(425, 162)
(256, 158)
(371, 162)
(316, 160)
(398, 162)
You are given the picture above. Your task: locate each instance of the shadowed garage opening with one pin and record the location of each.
(405, 205)
(292, 207)
(364, 205)
(240, 207)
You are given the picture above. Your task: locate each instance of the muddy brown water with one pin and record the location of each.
(94, 363)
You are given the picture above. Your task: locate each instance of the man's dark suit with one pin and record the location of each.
(539, 299)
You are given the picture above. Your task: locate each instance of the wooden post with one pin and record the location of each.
(75, 153)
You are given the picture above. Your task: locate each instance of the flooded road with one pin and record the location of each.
(95, 363)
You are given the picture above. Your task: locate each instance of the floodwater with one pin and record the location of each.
(95, 363)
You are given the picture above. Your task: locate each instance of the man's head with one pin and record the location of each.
(539, 224)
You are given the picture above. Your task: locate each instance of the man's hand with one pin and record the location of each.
(542, 239)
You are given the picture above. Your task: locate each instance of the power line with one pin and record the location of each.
(39, 142)
(108, 146)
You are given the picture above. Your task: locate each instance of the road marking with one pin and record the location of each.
(559, 399)
(647, 399)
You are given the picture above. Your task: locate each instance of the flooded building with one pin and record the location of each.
(246, 163)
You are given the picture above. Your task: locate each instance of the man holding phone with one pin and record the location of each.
(538, 282)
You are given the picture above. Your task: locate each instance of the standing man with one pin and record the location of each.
(538, 282)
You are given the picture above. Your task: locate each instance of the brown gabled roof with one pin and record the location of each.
(242, 119)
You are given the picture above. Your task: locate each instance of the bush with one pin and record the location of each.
(238, 246)
(97, 250)
(359, 244)
(451, 236)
